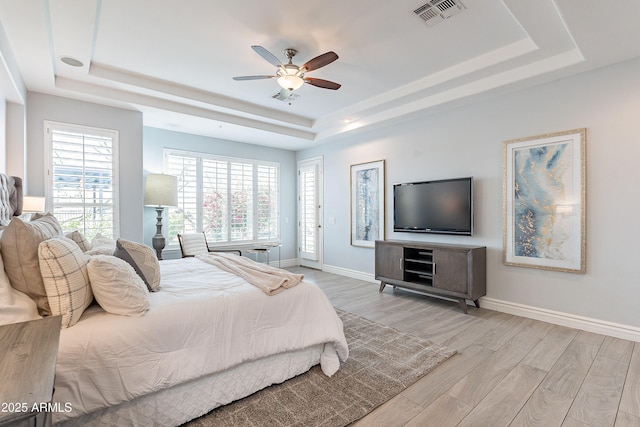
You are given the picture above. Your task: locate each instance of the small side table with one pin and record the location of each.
(275, 245)
(259, 251)
(28, 358)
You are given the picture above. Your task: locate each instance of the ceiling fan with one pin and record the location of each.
(290, 76)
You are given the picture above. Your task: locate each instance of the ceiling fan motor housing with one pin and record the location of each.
(290, 53)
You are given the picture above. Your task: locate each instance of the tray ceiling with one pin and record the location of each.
(174, 60)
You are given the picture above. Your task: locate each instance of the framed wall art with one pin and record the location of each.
(367, 203)
(544, 193)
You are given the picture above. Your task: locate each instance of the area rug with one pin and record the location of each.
(382, 363)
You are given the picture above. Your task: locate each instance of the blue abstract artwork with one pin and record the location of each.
(367, 201)
(541, 187)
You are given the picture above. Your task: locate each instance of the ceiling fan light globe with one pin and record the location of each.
(290, 82)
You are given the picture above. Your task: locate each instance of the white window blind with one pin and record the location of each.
(231, 200)
(307, 206)
(215, 212)
(82, 178)
(266, 207)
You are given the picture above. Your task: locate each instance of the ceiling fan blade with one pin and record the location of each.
(320, 61)
(268, 56)
(252, 77)
(325, 84)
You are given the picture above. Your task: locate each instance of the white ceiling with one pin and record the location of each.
(174, 60)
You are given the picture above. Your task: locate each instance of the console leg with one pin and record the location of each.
(382, 285)
(477, 303)
(463, 305)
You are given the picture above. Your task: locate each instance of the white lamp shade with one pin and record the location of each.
(33, 204)
(289, 77)
(290, 82)
(161, 190)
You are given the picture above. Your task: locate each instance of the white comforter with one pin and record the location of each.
(203, 320)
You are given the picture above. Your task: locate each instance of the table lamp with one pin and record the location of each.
(160, 190)
(31, 204)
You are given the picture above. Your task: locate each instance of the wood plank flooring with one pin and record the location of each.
(509, 370)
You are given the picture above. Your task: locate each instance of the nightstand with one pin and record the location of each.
(28, 354)
(258, 251)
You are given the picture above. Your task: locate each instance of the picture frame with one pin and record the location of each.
(544, 194)
(367, 203)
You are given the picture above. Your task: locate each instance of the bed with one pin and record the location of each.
(209, 337)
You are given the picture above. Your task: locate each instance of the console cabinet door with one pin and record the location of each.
(450, 270)
(390, 262)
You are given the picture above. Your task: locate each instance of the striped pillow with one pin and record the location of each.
(81, 241)
(143, 260)
(66, 280)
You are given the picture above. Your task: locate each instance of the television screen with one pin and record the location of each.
(444, 206)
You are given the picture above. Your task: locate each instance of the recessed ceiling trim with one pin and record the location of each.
(496, 56)
(139, 99)
(547, 65)
(191, 93)
(15, 89)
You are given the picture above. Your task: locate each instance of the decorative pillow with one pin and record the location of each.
(66, 279)
(142, 259)
(80, 240)
(15, 306)
(20, 242)
(117, 287)
(8, 198)
(101, 245)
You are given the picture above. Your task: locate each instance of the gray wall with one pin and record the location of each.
(155, 140)
(128, 123)
(467, 141)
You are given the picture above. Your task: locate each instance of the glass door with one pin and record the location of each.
(310, 213)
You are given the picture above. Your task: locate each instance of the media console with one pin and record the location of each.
(452, 271)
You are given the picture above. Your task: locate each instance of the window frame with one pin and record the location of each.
(49, 126)
(199, 188)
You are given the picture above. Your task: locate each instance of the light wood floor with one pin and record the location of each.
(509, 370)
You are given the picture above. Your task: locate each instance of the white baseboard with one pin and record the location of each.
(367, 277)
(284, 263)
(588, 324)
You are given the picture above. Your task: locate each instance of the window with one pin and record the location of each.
(231, 200)
(82, 178)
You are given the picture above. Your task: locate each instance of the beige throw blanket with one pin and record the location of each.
(269, 279)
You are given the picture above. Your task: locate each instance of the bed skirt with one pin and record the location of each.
(183, 402)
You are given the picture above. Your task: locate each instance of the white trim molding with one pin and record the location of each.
(617, 330)
(367, 277)
(293, 262)
(588, 324)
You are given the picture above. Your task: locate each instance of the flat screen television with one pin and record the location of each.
(442, 206)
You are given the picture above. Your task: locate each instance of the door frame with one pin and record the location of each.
(318, 162)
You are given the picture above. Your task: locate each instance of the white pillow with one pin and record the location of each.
(64, 272)
(15, 306)
(101, 245)
(117, 287)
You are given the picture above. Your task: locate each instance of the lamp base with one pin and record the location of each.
(158, 241)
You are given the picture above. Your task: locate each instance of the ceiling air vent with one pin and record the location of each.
(436, 11)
